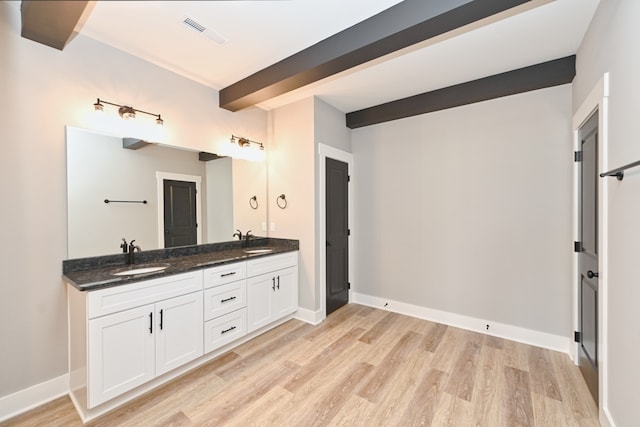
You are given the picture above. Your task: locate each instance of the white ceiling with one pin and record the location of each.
(261, 33)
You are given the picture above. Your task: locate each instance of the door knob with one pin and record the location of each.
(591, 274)
(328, 243)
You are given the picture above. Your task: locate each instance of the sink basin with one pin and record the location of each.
(129, 271)
(258, 251)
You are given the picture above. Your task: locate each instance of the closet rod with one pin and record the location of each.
(619, 172)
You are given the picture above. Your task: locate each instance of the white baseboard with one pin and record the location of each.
(513, 333)
(309, 316)
(39, 394)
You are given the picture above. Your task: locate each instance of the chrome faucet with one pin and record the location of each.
(132, 249)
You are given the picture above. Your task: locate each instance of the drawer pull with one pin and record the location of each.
(227, 299)
(228, 274)
(161, 319)
(273, 281)
(151, 322)
(224, 331)
(278, 282)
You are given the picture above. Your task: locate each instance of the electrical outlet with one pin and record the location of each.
(264, 226)
(272, 226)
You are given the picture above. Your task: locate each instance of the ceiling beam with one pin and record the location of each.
(539, 76)
(403, 25)
(51, 23)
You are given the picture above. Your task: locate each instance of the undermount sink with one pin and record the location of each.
(129, 271)
(258, 251)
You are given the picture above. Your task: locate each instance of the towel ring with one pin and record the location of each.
(253, 202)
(283, 204)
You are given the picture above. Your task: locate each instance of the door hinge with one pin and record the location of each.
(348, 285)
(577, 246)
(348, 178)
(348, 232)
(576, 336)
(577, 156)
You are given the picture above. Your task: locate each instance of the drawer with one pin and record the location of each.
(271, 263)
(224, 299)
(216, 276)
(225, 329)
(118, 298)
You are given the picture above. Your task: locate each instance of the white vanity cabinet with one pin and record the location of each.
(272, 289)
(125, 340)
(225, 302)
(133, 334)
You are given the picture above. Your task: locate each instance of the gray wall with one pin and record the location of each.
(468, 210)
(611, 45)
(43, 90)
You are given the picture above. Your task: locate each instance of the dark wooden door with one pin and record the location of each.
(180, 226)
(588, 256)
(337, 227)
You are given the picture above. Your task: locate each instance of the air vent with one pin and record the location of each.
(207, 32)
(194, 25)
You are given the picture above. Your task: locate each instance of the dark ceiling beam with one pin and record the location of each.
(401, 26)
(547, 74)
(51, 22)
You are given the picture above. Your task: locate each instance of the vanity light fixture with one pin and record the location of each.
(245, 143)
(126, 112)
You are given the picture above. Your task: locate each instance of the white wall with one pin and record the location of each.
(468, 210)
(219, 189)
(42, 91)
(290, 170)
(611, 45)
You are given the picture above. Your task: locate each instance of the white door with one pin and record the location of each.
(286, 295)
(260, 294)
(179, 326)
(121, 353)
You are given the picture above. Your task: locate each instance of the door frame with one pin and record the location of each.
(160, 177)
(324, 152)
(596, 100)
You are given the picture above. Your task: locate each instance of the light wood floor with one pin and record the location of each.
(361, 367)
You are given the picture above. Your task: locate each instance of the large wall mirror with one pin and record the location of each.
(223, 195)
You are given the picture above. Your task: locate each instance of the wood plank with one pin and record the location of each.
(542, 374)
(321, 360)
(517, 408)
(332, 402)
(433, 337)
(380, 328)
(389, 367)
(577, 400)
(462, 381)
(489, 388)
(422, 407)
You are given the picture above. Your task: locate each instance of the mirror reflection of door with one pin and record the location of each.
(180, 225)
(588, 255)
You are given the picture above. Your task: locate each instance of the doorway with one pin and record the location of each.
(587, 248)
(337, 234)
(328, 152)
(179, 209)
(180, 225)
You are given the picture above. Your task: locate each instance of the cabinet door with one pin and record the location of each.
(260, 295)
(286, 301)
(179, 326)
(121, 353)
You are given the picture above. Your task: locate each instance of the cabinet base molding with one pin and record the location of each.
(501, 330)
(93, 413)
(29, 398)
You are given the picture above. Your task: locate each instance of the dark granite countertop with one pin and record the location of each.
(93, 273)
